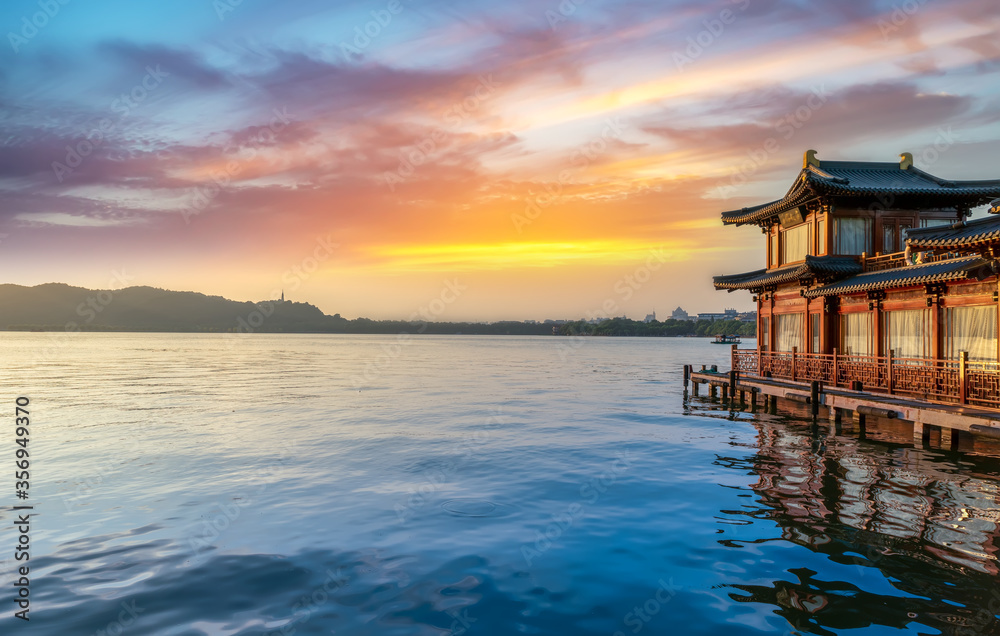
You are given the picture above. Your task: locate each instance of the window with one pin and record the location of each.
(820, 237)
(795, 244)
(908, 333)
(889, 238)
(773, 239)
(790, 327)
(764, 337)
(814, 322)
(856, 334)
(852, 236)
(894, 234)
(972, 329)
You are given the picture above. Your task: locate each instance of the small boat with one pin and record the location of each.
(729, 340)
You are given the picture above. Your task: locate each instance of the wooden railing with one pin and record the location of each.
(958, 381)
(881, 262)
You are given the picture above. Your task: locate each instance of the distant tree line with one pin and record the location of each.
(611, 327)
(667, 328)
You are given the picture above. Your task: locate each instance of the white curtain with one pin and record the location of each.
(972, 329)
(795, 244)
(814, 329)
(852, 236)
(908, 333)
(790, 332)
(764, 338)
(856, 334)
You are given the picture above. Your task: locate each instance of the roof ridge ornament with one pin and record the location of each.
(995, 206)
(905, 160)
(810, 159)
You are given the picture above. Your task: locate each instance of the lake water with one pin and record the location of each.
(294, 484)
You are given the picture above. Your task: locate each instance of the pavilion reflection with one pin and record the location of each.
(929, 522)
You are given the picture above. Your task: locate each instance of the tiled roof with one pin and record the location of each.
(797, 196)
(869, 179)
(940, 271)
(815, 266)
(854, 178)
(968, 234)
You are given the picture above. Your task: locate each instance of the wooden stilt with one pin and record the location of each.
(947, 435)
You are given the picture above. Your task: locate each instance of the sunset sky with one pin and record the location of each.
(539, 153)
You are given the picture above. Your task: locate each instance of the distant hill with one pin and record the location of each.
(60, 307)
(56, 306)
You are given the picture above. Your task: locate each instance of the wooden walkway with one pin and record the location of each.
(840, 402)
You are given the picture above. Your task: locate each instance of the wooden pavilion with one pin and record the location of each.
(874, 278)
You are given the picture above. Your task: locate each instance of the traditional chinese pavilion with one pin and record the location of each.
(874, 274)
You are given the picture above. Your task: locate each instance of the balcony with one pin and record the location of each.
(948, 381)
(881, 262)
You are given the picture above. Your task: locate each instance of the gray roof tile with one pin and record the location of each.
(859, 179)
(815, 266)
(968, 234)
(940, 271)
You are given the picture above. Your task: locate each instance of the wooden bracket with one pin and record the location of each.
(934, 292)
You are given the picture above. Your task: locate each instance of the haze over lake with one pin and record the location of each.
(458, 485)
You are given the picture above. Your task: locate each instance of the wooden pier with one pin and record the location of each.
(841, 405)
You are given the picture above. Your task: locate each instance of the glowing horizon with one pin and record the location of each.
(540, 160)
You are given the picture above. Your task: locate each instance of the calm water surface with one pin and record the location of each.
(195, 484)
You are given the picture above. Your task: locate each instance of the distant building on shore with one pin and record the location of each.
(728, 314)
(680, 314)
(650, 317)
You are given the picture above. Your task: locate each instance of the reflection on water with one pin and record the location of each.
(927, 520)
(192, 485)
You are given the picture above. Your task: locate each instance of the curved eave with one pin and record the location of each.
(825, 267)
(814, 182)
(970, 235)
(761, 213)
(947, 245)
(913, 275)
